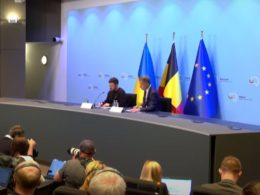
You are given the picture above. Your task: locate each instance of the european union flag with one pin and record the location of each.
(202, 98)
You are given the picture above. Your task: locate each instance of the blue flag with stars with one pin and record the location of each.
(202, 98)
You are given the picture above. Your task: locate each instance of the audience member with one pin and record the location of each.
(253, 188)
(26, 178)
(6, 141)
(20, 147)
(152, 171)
(14, 132)
(9, 161)
(90, 171)
(73, 171)
(230, 171)
(107, 182)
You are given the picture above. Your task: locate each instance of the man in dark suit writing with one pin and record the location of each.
(150, 99)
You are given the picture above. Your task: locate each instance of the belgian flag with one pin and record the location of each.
(170, 84)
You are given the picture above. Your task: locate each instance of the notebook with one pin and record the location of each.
(56, 165)
(178, 186)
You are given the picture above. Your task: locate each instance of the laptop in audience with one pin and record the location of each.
(56, 165)
(5, 176)
(178, 186)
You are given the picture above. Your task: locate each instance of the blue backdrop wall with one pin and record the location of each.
(108, 41)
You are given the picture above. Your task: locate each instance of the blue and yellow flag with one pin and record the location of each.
(202, 98)
(145, 69)
(170, 86)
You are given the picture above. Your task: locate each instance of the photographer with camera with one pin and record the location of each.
(73, 171)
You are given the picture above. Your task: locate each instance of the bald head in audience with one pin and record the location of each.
(26, 178)
(107, 182)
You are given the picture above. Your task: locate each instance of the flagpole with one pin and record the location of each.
(202, 34)
(173, 37)
(146, 37)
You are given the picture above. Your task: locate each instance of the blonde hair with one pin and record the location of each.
(90, 171)
(151, 171)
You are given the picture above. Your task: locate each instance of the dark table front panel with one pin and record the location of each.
(121, 143)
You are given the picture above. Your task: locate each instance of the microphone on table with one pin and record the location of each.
(86, 100)
(99, 95)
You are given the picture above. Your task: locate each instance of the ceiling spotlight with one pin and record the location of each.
(12, 18)
(44, 60)
(19, 1)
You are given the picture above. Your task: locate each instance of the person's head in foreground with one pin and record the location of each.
(87, 149)
(151, 171)
(144, 82)
(91, 169)
(107, 182)
(230, 169)
(252, 188)
(26, 178)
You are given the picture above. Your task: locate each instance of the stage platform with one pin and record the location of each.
(186, 146)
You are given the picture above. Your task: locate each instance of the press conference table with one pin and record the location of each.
(186, 146)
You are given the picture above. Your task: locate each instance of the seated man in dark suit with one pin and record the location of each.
(115, 94)
(230, 171)
(150, 99)
(6, 141)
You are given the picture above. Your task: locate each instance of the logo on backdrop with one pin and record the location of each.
(126, 76)
(93, 87)
(184, 78)
(102, 75)
(234, 97)
(254, 81)
(83, 75)
(223, 79)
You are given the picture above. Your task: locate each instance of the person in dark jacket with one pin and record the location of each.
(230, 171)
(151, 98)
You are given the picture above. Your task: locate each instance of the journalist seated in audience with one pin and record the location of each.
(152, 171)
(6, 141)
(9, 161)
(26, 178)
(20, 147)
(253, 188)
(230, 171)
(90, 171)
(73, 171)
(107, 181)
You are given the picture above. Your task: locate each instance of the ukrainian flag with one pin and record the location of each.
(145, 69)
(170, 86)
(202, 98)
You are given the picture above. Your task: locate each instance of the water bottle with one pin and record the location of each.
(114, 103)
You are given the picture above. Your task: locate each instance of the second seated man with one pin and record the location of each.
(151, 98)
